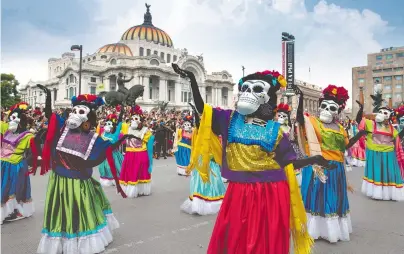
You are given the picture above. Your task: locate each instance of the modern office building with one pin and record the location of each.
(385, 67)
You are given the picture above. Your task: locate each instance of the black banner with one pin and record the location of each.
(290, 64)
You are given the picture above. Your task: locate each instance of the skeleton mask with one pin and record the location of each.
(187, 126)
(108, 127)
(77, 116)
(136, 121)
(253, 93)
(14, 122)
(282, 118)
(382, 115)
(328, 111)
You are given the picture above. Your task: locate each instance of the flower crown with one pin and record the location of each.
(337, 94)
(91, 100)
(400, 111)
(188, 118)
(283, 108)
(276, 78)
(112, 117)
(21, 105)
(136, 110)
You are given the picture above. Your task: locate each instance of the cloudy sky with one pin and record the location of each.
(331, 36)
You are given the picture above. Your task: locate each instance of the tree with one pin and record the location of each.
(9, 92)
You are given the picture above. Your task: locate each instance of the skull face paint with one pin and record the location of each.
(282, 118)
(136, 121)
(14, 122)
(78, 116)
(382, 115)
(253, 93)
(108, 127)
(187, 126)
(328, 111)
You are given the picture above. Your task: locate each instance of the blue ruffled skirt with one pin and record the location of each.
(15, 190)
(205, 198)
(327, 204)
(182, 157)
(382, 179)
(106, 178)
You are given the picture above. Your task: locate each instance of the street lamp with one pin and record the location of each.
(79, 48)
(243, 68)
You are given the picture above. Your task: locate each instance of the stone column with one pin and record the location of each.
(178, 89)
(219, 97)
(202, 90)
(162, 89)
(144, 81)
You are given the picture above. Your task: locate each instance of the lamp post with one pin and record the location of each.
(288, 64)
(79, 48)
(243, 68)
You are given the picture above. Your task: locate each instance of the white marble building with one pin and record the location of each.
(145, 52)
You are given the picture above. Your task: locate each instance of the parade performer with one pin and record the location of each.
(138, 160)
(78, 216)
(262, 206)
(205, 198)
(283, 118)
(383, 178)
(182, 145)
(112, 131)
(16, 142)
(326, 204)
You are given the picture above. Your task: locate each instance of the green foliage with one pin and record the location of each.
(9, 92)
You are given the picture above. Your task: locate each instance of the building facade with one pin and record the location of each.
(385, 67)
(311, 93)
(144, 52)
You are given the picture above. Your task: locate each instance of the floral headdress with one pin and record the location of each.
(90, 100)
(188, 118)
(136, 110)
(23, 106)
(400, 111)
(113, 118)
(337, 94)
(283, 107)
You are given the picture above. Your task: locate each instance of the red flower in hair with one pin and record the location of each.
(339, 93)
(112, 117)
(400, 111)
(283, 107)
(137, 110)
(267, 72)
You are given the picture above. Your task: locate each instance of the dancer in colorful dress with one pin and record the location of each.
(138, 160)
(182, 145)
(16, 141)
(258, 160)
(327, 204)
(112, 130)
(205, 198)
(78, 216)
(283, 118)
(383, 178)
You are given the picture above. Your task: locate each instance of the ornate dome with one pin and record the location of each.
(119, 48)
(147, 31)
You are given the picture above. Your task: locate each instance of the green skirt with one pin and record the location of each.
(77, 218)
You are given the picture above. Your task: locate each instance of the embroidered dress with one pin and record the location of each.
(15, 184)
(205, 197)
(106, 177)
(358, 150)
(327, 204)
(137, 164)
(262, 195)
(78, 216)
(183, 144)
(382, 179)
(299, 155)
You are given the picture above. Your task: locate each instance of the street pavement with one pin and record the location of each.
(154, 224)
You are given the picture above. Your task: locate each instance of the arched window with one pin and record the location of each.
(112, 83)
(168, 58)
(71, 92)
(94, 57)
(113, 61)
(162, 55)
(154, 62)
(156, 53)
(148, 52)
(103, 57)
(71, 77)
(141, 51)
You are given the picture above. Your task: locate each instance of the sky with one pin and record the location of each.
(331, 36)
